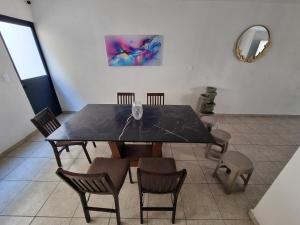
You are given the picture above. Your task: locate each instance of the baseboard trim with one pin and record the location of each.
(252, 217)
(18, 144)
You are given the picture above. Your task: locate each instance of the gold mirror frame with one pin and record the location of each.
(253, 58)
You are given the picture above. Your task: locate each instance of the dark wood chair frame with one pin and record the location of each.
(46, 122)
(179, 175)
(126, 98)
(100, 184)
(155, 98)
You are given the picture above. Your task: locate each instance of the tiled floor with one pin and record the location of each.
(30, 192)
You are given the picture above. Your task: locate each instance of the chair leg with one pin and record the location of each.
(86, 153)
(174, 209)
(94, 143)
(56, 154)
(117, 210)
(141, 208)
(84, 207)
(130, 176)
(67, 149)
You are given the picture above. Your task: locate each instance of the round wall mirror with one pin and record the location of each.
(252, 43)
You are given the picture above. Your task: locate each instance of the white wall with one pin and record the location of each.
(16, 112)
(15, 8)
(281, 203)
(199, 37)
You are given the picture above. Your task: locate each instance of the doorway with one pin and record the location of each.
(22, 44)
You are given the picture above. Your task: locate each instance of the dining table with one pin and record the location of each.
(131, 138)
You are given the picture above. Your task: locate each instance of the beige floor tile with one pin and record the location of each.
(239, 139)
(47, 173)
(208, 168)
(30, 199)
(233, 206)
(194, 171)
(126, 221)
(7, 165)
(102, 150)
(129, 201)
(255, 192)
(238, 222)
(280, 165)
(81, 221)
(134, 175)
(36, 137)
(268, 171)
(9, 191)
(198, 202)
(8, 220)
(199, 151)
(61, 203)
(36, 169)
(166, 150)
(74, 152)
(28, 169)
(276, 155)
(79, 165)
(42, 150)
(163, 201)
(256, 178)
(29, 148)
(50, 221)
(102, 201)
(261, 139)
(165, 222)
(291, 139)
(253, 152)
(183, 151)
(205, 222)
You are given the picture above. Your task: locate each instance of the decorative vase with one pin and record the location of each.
(137, 110)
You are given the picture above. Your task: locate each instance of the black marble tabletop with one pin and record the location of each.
(101, 122)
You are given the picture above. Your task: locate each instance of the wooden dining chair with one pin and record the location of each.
(125, 98)
(155, 98)
(159, 176)
(105, 176)
(46, 122)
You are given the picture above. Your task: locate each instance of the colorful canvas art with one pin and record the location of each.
(133, 50)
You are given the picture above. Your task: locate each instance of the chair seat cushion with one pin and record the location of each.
(115, 168)
(157, 165)
(68, 143)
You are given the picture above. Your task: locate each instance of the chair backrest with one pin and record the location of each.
(160, 183)
(125, 98)
(87, 183)
(46, 122)
(155, 98)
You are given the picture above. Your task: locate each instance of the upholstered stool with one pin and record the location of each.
(208, 121)
(237, 165)
(221, 138)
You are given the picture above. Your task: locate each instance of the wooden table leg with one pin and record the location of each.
(157, 149)
(135, 151)
(115, 148)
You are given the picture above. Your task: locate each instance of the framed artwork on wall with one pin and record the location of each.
(133, 50)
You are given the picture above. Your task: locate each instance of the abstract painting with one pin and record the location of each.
(133, 50)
